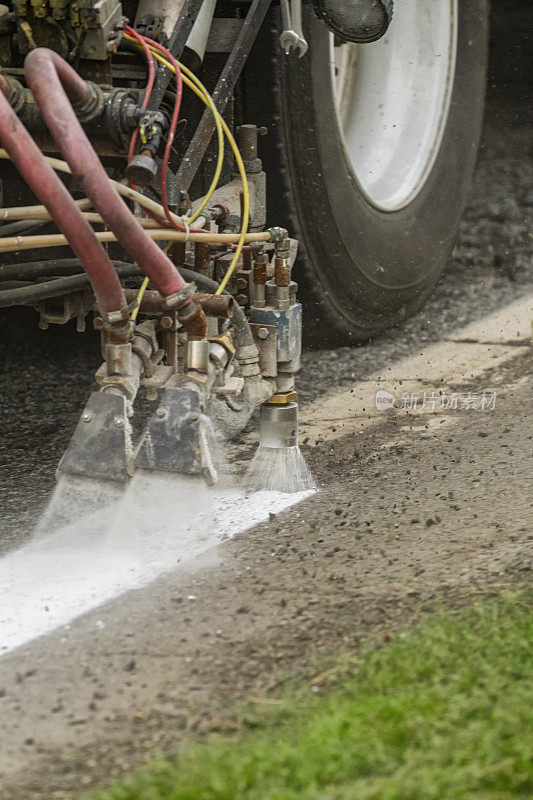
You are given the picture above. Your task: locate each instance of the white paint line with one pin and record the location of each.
(436, 367)
(512, 323)
(54, 579)
(155, 526)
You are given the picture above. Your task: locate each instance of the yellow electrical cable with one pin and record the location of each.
(140, 295)
(143, 288)
(199, 89)
(245, 192)
(190, 80)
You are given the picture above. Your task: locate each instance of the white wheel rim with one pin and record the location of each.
(392, 99)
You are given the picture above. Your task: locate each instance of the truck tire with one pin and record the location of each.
(376, 146)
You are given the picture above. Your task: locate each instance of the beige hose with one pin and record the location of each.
(35, 212)
(40, 212)
(125, 191)
(15, 243)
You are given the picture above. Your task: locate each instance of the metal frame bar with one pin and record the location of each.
(221, 94)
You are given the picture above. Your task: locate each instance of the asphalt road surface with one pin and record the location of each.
(423, 503)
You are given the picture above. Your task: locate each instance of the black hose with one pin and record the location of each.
(33, 270)
(21, 226)
(243, 333)
(28, 295)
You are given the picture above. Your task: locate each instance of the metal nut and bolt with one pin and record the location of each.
(248, 140)
(263, 333)
(119, 422)
(166, 322)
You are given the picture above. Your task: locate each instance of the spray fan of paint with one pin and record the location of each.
(278, 464)
(95, 541)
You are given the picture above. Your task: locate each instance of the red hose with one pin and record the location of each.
(149, 87)
(172, 129)
(44, 182)
(52, 86)
(147, 95)
(144, 41)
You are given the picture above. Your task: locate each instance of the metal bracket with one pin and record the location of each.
(172, 441)
(101, 444)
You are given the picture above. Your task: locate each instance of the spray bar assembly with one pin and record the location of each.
(190, 347)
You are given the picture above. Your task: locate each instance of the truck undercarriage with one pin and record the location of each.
(155, 184)
(206, 315)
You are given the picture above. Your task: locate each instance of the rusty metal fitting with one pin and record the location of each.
(247, 260)
(115, 326)
(194, 321)
(202, 257)
(282, 271)
(218, 212)
(261, 269)
(248, 147)
(260, 277)
(113, 318)
(177, 253)
(166, 323)
(220, 306)
(117, 333)
(216, 305)
(248, 140)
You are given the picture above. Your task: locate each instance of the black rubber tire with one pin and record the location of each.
(363, 270)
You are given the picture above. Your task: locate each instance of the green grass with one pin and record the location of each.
(444, 713)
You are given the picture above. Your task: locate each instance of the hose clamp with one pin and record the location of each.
(92, 104)
(179, 298)
(16, 94)
(278, 234)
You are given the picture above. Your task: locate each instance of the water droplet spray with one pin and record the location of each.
(278, 464)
